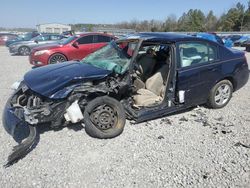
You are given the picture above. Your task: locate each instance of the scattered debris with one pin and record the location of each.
(226, 131)
(205, 176)
(160, 137)
(183, 119)
(241, 144)
(219, 119)
(166, 121)
(203, 120)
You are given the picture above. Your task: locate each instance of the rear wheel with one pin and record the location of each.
(24, 50)
(57, 58)
(104, 117)
(220, 94)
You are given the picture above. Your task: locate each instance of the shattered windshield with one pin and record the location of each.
(111, 57)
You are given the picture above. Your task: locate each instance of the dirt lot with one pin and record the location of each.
(197, 148)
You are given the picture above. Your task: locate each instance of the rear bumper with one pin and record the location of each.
(242, 77)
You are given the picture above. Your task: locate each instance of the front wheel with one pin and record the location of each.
(220, 94)
(57, 58)
(104, 117)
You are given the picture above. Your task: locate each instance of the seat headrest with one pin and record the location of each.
(189, 52)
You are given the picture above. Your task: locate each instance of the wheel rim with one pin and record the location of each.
(57, 59)
(222, 94)
(24, 51)
(104, 117)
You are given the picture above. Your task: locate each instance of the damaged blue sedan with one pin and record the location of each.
(139, 77)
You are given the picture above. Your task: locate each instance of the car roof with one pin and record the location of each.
(163, 36)
(45, 34)
(8, 34)
(93, 33)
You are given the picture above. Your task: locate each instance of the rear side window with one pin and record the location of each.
(39, 38)
(193, 53)
(55, 37)
(101, 38)
(85, 40)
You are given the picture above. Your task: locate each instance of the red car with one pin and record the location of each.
(73, 48)
(6, 36)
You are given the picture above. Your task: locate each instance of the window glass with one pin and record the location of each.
(46, 37)
(38, 38)
(196, 53)
(48, 30)
(85, 40)
(55, 37)
(56, 30)
(100, 38)
(68, 40)
(110, 57)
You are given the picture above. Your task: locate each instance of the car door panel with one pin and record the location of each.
(198, 77)
(197, 82)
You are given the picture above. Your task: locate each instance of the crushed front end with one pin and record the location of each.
(14, 123)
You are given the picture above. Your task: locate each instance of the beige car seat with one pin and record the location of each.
(154, 88)
(147, 63)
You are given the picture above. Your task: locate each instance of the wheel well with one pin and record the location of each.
(59, 53)
(231, 80)
(23, 46)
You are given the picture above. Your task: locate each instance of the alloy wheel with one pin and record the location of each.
(222, 94)
(57, 59)
(24, 50)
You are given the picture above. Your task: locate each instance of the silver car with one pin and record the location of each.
(25, 47)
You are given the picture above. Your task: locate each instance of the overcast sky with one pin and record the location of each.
(28, 13)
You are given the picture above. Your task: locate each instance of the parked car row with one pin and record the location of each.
(4, 37)
(214, 37)
(73, 48)
(238, 40)
(25, 47)
(228, 41)
(25, 37)
(140, 77)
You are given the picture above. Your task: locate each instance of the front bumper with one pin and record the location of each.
(12, 119)
(15, 125)
(13, 50)
(37, 60)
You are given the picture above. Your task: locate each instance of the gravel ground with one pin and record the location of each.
(197, 148)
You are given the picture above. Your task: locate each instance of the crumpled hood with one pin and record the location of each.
(49, 79)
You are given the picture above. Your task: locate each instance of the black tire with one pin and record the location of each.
(24, 50)
(248, 48)
(57, 58)
(104, 117)
(220, 94)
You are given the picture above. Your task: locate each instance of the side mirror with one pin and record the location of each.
(75, 44)
(36, 41)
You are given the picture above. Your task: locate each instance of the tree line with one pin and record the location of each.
(235, 19)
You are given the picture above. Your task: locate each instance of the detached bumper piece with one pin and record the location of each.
(13, 121)
(22, 149)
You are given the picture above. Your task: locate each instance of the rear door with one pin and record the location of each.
(198, 69)
(100, 41)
